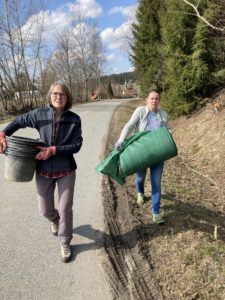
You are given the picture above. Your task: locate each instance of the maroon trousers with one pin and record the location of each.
(63, 216)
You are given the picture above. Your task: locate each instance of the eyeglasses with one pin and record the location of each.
(56, 94)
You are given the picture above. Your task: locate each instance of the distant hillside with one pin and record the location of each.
(119, 78)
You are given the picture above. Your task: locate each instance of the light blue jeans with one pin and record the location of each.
(155, 179)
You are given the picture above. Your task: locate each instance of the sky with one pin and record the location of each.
(113, 18)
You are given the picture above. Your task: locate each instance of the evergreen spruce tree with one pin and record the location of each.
(177, 51)
(190, 61)
(214, 43)
(178, 30)
(146, 49)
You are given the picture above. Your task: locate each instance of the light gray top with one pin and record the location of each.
(138, 122)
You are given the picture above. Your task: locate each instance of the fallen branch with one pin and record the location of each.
(215, 232)
(199, 173)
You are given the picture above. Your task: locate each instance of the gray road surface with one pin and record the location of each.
(30, 265)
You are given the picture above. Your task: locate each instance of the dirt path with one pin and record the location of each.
(131, 275)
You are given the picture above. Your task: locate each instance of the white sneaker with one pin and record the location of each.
(140, 199)
(157, 219)
(66, 253)
(54, 228)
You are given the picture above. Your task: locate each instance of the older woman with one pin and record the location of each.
(60, 130)
(147, 118)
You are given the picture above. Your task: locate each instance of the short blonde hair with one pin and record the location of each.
(66, 90)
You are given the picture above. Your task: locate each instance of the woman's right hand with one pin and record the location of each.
(2, 142)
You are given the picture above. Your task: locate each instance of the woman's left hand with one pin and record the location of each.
(45, 152)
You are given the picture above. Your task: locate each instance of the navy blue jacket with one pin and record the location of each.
(68, 140)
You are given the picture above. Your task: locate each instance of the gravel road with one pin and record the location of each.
(30, 265)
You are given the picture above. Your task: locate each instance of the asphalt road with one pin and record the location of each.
(30, 263)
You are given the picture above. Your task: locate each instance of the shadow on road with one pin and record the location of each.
(102, 239)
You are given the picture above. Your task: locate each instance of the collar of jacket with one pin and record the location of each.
(53, 111)
(147, 110)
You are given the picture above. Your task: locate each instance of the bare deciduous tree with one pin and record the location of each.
(63, 58)
(86, 50)
(78, 57)
(20, 43)
(24, 65)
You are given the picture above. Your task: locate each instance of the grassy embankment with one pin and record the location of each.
(187, 254)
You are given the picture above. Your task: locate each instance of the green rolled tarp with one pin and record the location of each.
(110, 166)
(140, 151)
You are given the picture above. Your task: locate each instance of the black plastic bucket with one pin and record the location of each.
(20, 162)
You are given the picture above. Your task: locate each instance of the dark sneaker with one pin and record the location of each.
(157, 219)
(54, 228)
(66, 254)
(140, 199)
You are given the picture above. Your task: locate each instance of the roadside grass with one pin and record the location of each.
(195, 149)
(187, 254)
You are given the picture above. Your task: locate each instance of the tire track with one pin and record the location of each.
(130, 275)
